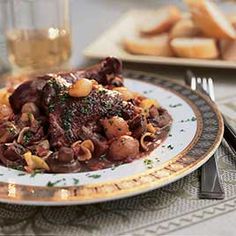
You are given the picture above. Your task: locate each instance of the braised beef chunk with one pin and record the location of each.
(107, 73)
(11, 154)
(29, 91)
(160, 118)
(138, 126)
(99, 141)
(67, 114)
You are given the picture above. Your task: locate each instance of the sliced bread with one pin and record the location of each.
(185, 28)
(228, 47)
(158, 21)
(156, 45)
(201, 48)
(228, 50)
(232, 20)
(209, 18)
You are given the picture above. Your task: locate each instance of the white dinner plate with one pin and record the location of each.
(195, 134)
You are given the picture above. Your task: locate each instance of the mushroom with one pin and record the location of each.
(83, 150)
(34, 162)
(84, 154)
(58, 166)
(88, 144)
(65, 154)
(124, 147)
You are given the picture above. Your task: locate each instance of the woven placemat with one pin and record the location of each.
(158, 212)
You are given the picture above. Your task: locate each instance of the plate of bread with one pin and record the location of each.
(203, 35)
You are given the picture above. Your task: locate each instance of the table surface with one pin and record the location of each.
(92, 17)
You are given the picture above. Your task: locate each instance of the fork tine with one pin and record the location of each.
(199, 80)
(193, 83)
(211, 89)
(205, 85)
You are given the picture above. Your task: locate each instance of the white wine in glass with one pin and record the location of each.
(36, 49)
(37, 33)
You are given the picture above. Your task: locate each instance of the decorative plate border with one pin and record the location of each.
(204, 144)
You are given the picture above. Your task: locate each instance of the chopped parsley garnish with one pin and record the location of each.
(63, 97)
(147, 91)
(27, 136)
(21, 174)
(148, 163)
(175, 105)
(102, 91)
(67, 119)
(57, 86)
(85, 110)
(11, 130)
(52, 184)
(108, 105)
(187, 120)
(18, 167)
(170, 147)
(35, 172)
(95, 176)
(76, 181)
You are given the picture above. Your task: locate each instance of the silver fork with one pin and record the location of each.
(211, 187)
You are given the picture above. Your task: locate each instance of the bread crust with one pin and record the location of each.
(204, 15)
(184, 28)
(155, 46)
(199, 48)
(172, 16)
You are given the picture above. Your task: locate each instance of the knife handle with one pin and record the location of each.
(229, 135)
(211, 187)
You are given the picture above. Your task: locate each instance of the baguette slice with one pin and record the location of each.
(158, 21)
(156, 45)
(200, 48)
(232, 20)
(228, 50)
(210, 19)
(185, 28)
(228, 47)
